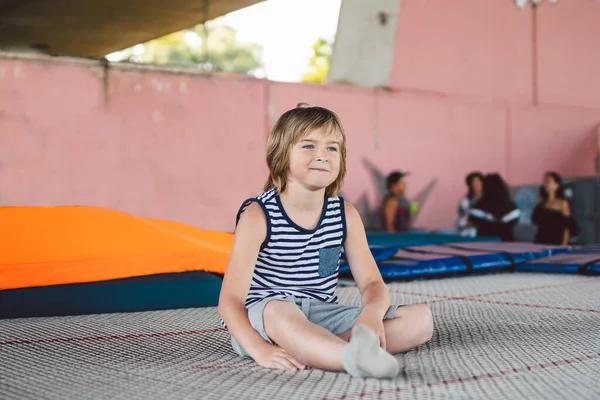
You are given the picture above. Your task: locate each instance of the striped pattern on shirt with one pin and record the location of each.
(294, 261)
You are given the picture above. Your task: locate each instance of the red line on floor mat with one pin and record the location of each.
(489, 375)
(535, 288)
(205, 367)
(438, 296)
(441, 297)
(507, 303)
(93, 338)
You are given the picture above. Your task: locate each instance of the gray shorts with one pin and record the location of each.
(335, 318)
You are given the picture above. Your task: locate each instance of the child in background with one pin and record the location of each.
(278, 298)
(474, 183)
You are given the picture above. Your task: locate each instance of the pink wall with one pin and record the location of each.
(163, 145)
(467, 92)
(469, 47)
(568, 55)
(531, 80)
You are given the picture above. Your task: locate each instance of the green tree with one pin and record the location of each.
(211, 46)
(318, 66)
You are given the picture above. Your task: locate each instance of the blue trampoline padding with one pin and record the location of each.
(584, 260)
(519, 252)
(145, 293)
(379, 253)
(457, 258)
(415, 239)
(384, 245)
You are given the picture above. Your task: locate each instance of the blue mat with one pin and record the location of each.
(376, 238)
(384, 245)
(584, 260)
(145, 293)
(455, 258)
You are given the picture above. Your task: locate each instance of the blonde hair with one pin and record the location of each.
(289, 129)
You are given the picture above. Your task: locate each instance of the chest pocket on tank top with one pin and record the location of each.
(329, 258)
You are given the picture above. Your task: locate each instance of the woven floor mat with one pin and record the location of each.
(505, 336)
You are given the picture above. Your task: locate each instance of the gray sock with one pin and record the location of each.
(364, 358)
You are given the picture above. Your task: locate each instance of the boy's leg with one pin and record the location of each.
(409, 327)
(286, 325)
(317, 347)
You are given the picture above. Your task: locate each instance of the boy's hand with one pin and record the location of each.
(373, 322)
(274, 357)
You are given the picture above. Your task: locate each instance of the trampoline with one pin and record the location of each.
(511, 335)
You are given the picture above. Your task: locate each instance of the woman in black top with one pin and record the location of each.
(495, 214)
(552, 214)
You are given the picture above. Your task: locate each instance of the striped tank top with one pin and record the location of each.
(294, 261)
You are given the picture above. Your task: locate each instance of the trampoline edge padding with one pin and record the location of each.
(147, 293)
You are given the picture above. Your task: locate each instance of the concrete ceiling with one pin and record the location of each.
(94, 28)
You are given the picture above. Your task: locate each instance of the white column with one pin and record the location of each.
(364, 45)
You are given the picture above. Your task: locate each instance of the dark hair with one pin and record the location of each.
(469, 181)
(560, 192)
(393, 178)
(496, 196)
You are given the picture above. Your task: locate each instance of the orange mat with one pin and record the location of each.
(42, 246)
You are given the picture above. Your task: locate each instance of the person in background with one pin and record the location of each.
(552, 214)
(495, 214)
(474, 183)
(396, 210)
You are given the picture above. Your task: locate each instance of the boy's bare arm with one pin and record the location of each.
(375, 295)
(250, 233)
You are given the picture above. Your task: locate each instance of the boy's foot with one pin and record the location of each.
(364, 358)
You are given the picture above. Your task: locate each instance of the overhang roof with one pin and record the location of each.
(95, 28)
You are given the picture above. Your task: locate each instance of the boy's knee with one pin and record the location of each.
(425, 321)
(421, 318)
(276, 310)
